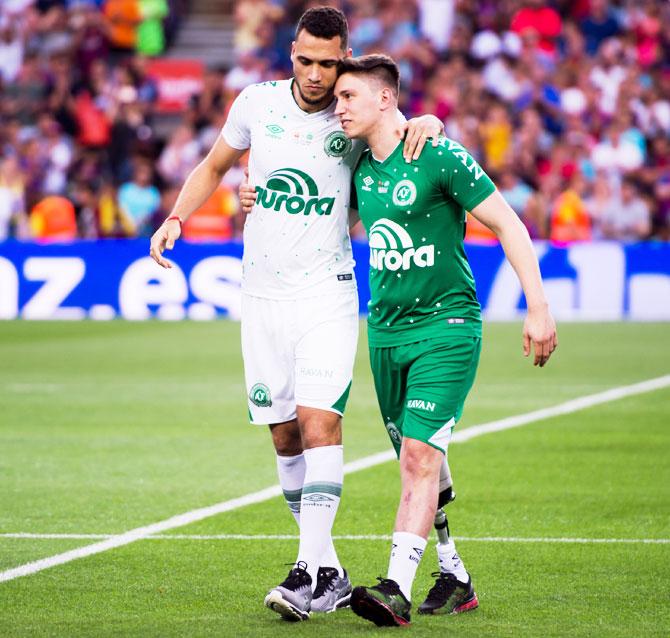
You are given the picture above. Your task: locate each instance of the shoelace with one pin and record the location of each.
(442, 584)
(325, 581)
(297, 577)
(387, 586)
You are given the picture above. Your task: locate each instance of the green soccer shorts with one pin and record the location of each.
(421, 387)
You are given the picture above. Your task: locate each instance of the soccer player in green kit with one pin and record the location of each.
(424, 322)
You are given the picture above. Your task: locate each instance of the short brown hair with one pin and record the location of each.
(326, 23)
(380, 66)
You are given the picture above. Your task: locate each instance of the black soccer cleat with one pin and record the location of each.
(292, 598)
(449, 596)
(332, 590)
(383, 604)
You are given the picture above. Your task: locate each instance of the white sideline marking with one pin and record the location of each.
(30, 388)
(347, 537)
(375, 459)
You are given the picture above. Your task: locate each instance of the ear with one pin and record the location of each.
(386, 99)
(292, 50)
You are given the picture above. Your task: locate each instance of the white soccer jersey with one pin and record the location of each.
(296, 239)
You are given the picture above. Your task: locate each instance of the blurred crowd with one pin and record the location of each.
(565, 103)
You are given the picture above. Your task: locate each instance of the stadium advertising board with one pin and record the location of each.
(110, 279)
(177, 81)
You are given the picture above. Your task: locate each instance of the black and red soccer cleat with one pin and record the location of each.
(449, 596)
(383, 604)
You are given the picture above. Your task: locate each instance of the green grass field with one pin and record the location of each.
(106, 427)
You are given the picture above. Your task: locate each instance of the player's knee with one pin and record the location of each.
(286, 439)
(288, 448)
(419, 460)
(319, 428)
(314, 438)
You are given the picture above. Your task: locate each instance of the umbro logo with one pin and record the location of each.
(274, 130)
(317, 498)
(419, 553)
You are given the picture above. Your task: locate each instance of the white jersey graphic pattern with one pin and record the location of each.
(296, 239)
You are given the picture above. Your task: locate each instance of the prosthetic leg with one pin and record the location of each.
(446, 496)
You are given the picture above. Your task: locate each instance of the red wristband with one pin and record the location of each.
(177, 218)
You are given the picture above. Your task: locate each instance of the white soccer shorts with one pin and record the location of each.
(298, 352)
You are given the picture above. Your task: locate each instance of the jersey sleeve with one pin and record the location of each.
(460, 176)
(236, 131)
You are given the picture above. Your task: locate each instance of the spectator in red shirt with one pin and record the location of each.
(543, 20)
(92, 122)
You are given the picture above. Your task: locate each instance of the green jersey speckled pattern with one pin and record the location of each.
(421, 284)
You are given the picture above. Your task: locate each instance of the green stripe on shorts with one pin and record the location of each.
(341, 403)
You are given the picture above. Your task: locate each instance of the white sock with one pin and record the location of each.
(330, 559)
(406, 553)
(450, 561)
(291, 470)
(320, 499)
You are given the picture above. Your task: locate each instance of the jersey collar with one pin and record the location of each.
(393, 154)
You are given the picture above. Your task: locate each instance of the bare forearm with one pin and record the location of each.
(520, 253)
(539, 328)
(199, 185)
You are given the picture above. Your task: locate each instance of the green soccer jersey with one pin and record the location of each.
(421, 285)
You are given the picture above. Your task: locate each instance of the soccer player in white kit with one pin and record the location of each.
(299, 297)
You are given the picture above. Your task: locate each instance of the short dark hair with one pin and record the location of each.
(380, 66)
(326, 23)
